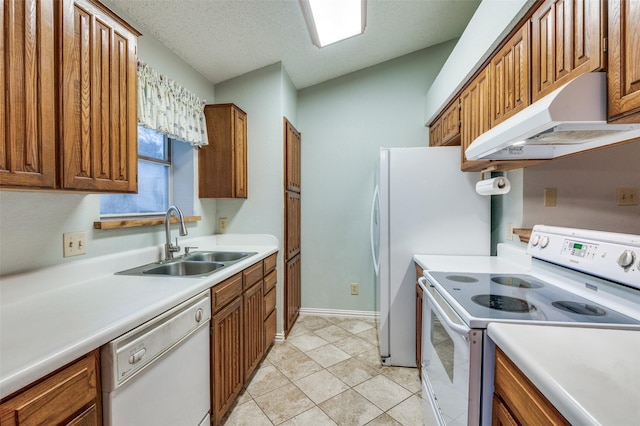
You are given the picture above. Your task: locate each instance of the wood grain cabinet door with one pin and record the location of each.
(475, 116)
(253, 328)
(510, 77)
(292, 160)
(567, 40)
(623, 76)
(27, 72)
(98, 99)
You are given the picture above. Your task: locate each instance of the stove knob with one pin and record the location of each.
(535, 239)
(544, 241)
(627, 258)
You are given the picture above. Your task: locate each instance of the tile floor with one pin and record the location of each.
(328, 372)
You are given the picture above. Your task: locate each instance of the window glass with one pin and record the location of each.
(154, 179)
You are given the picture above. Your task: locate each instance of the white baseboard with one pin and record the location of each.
(339, 313)
(279, 337)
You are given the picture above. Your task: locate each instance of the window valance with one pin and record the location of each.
(167, 107)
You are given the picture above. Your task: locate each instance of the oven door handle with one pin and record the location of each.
(457, 328)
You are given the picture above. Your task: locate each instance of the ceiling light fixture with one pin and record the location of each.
(330, 21)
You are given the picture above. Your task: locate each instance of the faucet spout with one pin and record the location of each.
(169, 248)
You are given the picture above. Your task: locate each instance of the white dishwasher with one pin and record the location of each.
(158, 373)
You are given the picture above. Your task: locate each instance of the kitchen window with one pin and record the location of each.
(155, 178)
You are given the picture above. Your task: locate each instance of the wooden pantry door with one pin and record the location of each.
(292, 281)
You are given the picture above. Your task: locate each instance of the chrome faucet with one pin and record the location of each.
(169, 248)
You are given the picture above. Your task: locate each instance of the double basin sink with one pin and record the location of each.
(194, 264)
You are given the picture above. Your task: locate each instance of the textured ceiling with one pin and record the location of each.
(222, 39)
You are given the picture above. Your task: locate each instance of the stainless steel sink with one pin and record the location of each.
(217, 256)
(182, 268)
(194, 264)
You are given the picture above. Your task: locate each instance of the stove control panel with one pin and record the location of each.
(608, 255)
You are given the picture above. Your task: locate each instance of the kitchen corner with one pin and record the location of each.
(82, 305)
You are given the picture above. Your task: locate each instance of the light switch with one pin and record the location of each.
(74, 244)
(223, 224)
(549, 196)
(628, 196)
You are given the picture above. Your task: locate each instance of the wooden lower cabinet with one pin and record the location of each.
(70, 396)
(517, 401)
(241, 331)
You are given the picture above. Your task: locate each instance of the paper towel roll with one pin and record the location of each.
(495, 186)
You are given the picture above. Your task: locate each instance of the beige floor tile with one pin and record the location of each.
(383, 392)
(307, 342)
(356, 325)
(353, 345)
(408, 412)
(312, 322)
(296, 367)
(313, 417)
(247, 414)
(243, 397)
(350, 408)
(266, 379)
(408, 378)
(298, 330)
(371, 359)
(352, 372)
(284, 403)
(370, 335)
(384, 420)
(327, 355)
(281, 351)
(333, 333)
(321, 386)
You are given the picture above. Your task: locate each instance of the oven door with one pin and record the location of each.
(446, 359)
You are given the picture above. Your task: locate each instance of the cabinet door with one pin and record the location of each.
(292, 292)
(67, 394)
(222, 165)
(567, 40)
(450, 132)
(435, 132)
(623, 76)
(292, 160)
(474, 116)
(240, 153)
(226, 358)
(27, 118)
(98, 100)
(510, 77)
(500, 414)
(253, 328)
(293, 224)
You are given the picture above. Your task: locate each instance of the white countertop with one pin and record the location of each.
(591, 375)
(510, 259)
(55, 315)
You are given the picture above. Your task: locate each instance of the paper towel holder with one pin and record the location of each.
(493, 186)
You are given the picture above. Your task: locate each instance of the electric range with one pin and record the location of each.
(575, 277)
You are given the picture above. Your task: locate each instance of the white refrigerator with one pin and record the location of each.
(422, 204)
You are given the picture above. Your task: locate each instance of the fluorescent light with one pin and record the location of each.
(330, 21)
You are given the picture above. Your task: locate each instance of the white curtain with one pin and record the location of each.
(165, 106)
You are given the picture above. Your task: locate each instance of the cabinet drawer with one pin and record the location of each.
(270, 263)
(269, 329)
(270, 281)
(57, 398)
(252, 275)
(269, 302)
(225, 292)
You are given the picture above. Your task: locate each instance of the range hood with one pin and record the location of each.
(571, 119)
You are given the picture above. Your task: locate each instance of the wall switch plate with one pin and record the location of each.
(74, 243)
(223, 224)
(549, 196)
(354, 289)
(628, 196)
(510, 231)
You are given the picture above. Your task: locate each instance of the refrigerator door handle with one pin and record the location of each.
(375, 202)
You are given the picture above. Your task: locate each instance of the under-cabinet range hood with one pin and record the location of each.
(571, 119)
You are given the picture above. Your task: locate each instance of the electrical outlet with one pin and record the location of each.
(627, 196)
(549, 196)
(354, 289)
(223, 223)
(510, 231)
(74, 244)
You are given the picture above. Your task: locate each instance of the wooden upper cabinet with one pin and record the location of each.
(567, 40)
(98, 99)
(435, 133)
(223, 163)
(510, 77)
(474, 116)
(623, 76)
(292, 160)
(445, 130)
(27, 119)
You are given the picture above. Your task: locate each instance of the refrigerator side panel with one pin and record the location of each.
(383, 275)
(433, 209)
